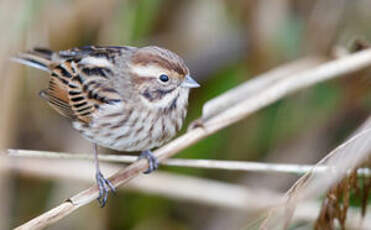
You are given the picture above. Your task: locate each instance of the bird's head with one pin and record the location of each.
(160, 76)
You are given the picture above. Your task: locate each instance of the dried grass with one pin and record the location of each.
(347, 156)
(336, 203)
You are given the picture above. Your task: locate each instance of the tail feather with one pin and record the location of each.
(39, 58)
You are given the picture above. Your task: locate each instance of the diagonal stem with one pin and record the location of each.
(231, 115)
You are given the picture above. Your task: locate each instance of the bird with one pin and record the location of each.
(123, 98)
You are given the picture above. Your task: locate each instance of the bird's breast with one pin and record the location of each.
(133, 128)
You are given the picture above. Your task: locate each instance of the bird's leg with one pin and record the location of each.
(152, 161)
(104, 185)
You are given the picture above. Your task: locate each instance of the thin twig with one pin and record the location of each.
(191, 163)
(209, 126)
(179, 187)
(223, 195)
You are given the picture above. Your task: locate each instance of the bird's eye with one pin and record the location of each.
(164, 78)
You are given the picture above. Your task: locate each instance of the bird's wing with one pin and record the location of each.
(81, 79)
(77, 89)
(105, 52)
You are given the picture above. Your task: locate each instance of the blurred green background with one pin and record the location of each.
(225, 43)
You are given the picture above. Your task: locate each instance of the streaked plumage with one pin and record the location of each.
(115, 96)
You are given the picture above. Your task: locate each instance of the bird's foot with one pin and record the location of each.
(152, 161)
(105, 186)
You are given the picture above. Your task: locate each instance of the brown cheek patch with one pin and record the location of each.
(137, 80)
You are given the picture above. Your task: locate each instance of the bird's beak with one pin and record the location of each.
(189, 82)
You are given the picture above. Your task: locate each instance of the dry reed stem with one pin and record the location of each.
(191, 163)
(209, 126)
(343, 158)
(179, 187)
(257, 84)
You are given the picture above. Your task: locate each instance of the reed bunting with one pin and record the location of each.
(123, 98)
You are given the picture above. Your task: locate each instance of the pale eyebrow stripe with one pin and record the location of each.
(148, 70)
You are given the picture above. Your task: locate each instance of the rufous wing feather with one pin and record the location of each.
(80, 79)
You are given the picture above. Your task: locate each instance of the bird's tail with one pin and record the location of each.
(39, 58)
